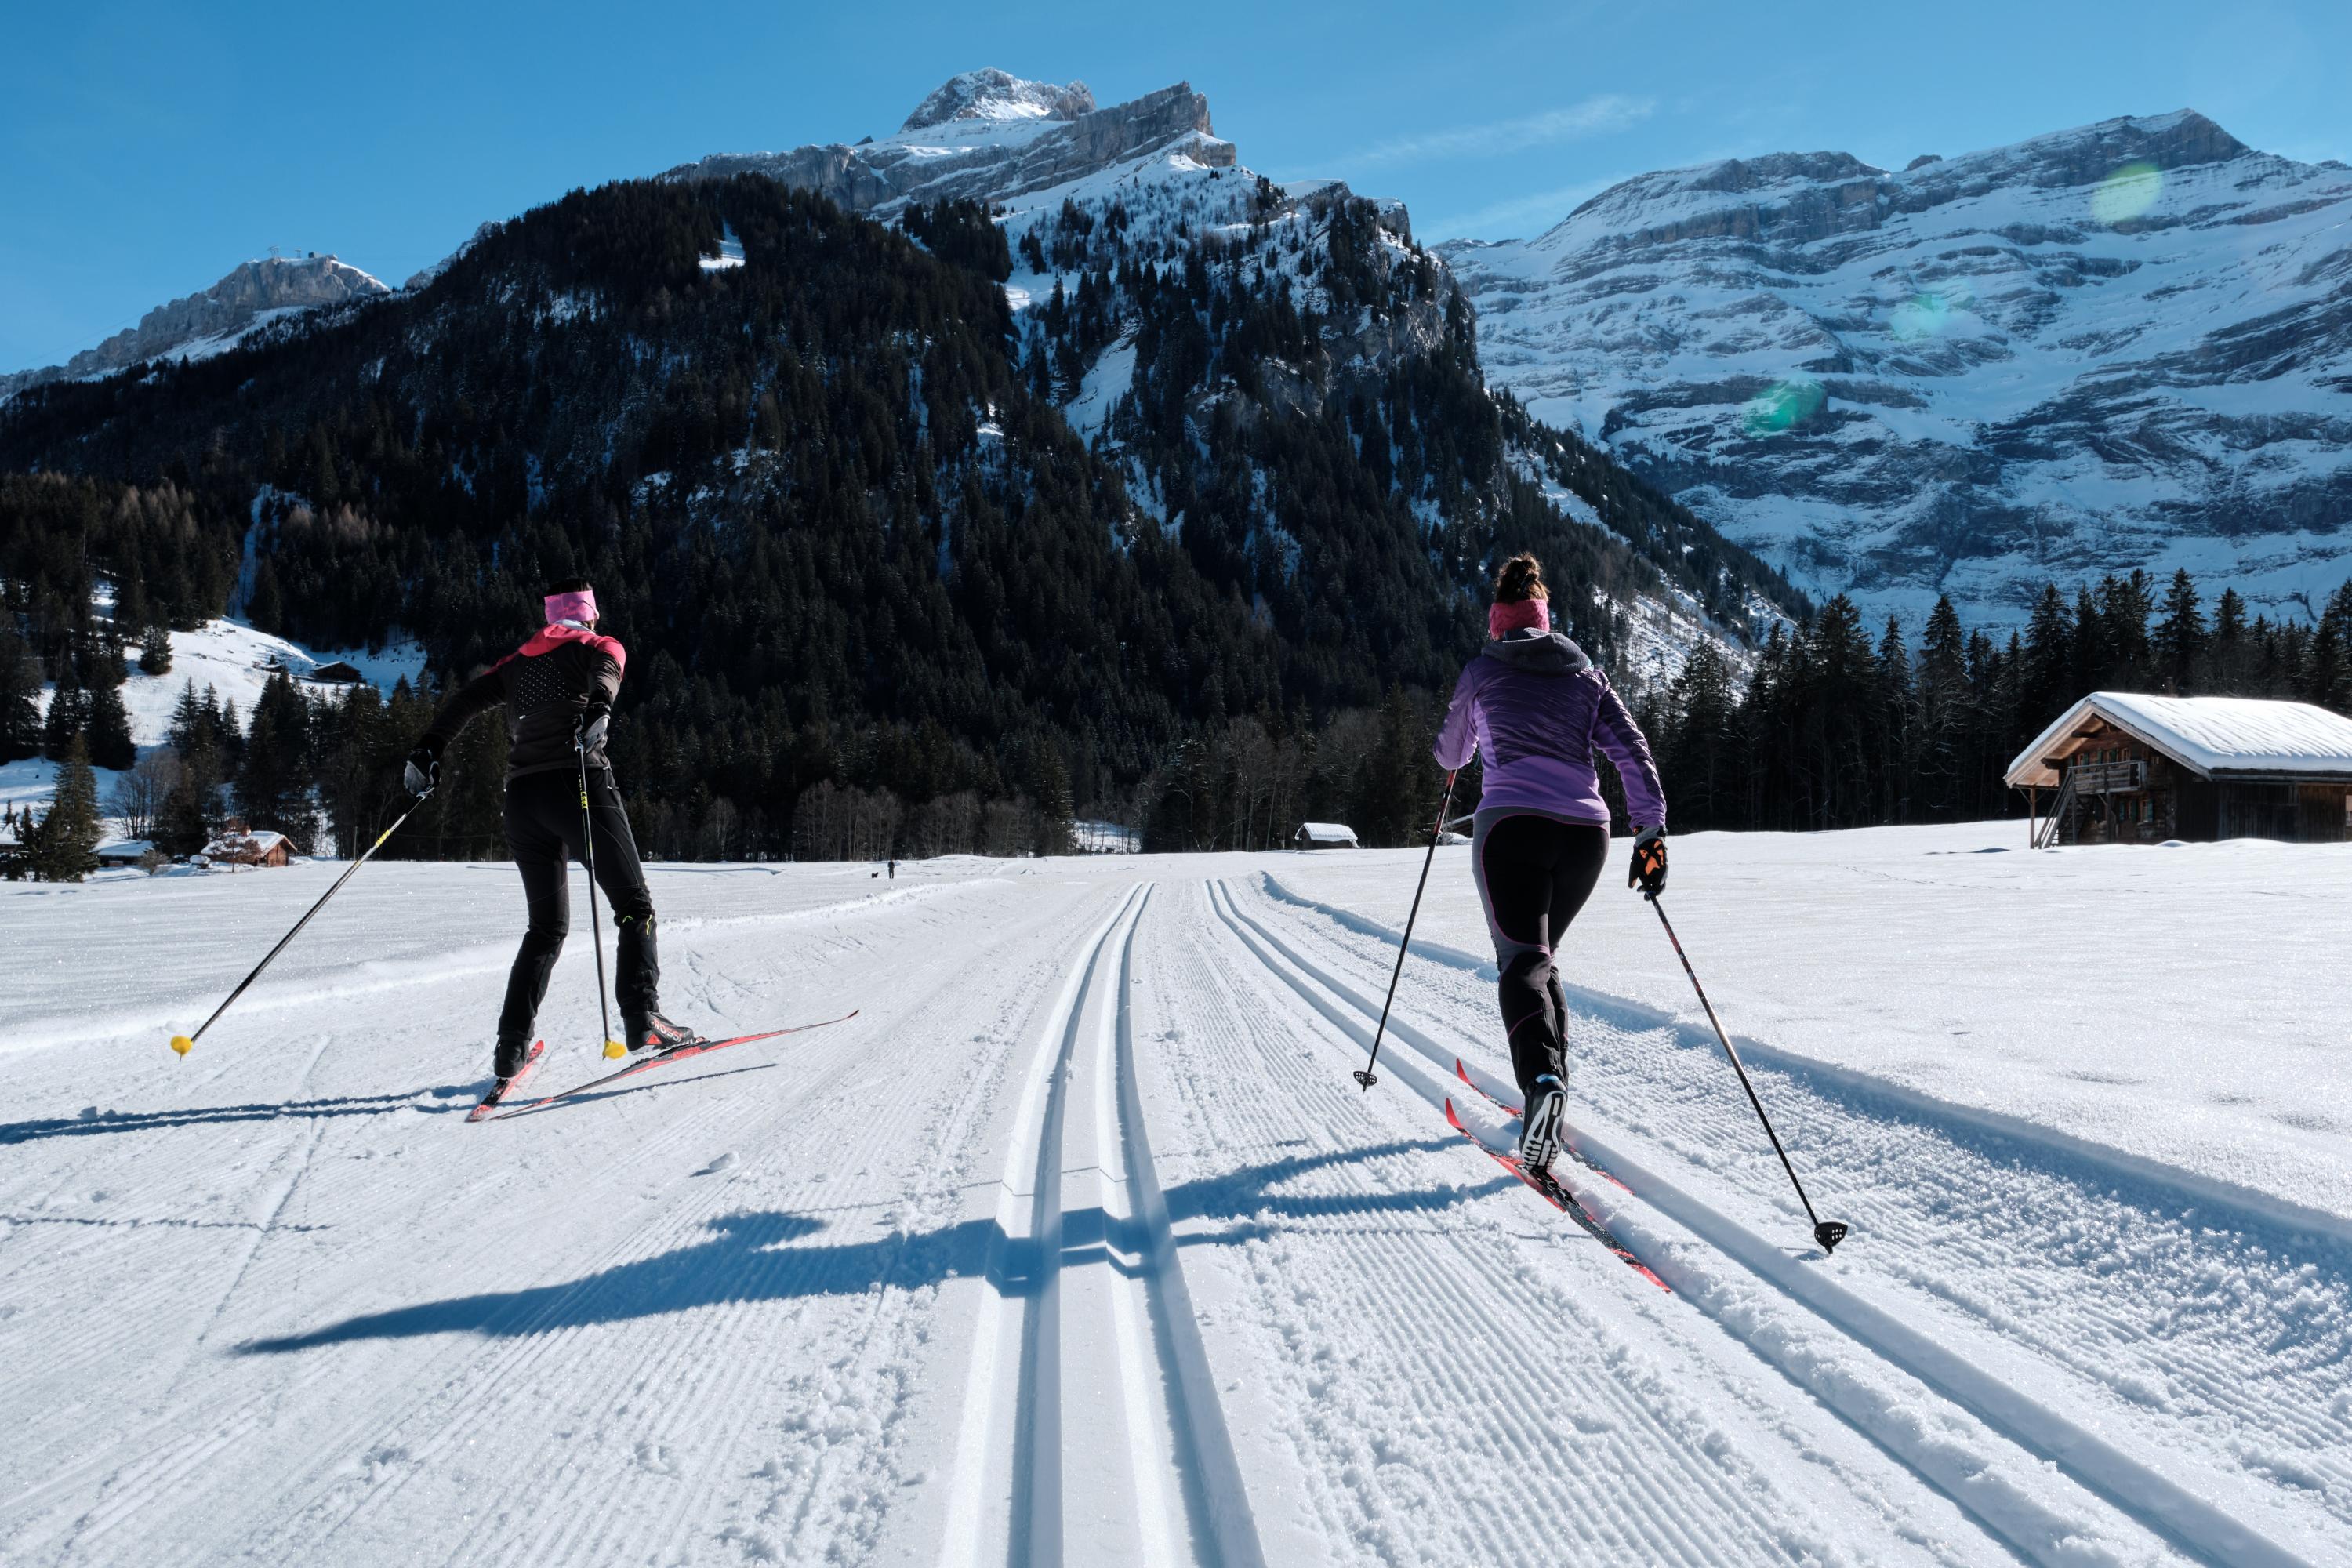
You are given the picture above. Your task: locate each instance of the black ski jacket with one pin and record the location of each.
(549, 684)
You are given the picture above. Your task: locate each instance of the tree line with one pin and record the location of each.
(1836, 729)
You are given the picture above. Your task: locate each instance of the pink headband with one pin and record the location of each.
(1503, 618)
(579, 606)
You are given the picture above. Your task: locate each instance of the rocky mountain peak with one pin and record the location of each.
(2121, 344)
(213, 320)
(992, 94)
(988, 136)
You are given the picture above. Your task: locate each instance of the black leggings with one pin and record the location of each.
(543, 831)
(1534, 875)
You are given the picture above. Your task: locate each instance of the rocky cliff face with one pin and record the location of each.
(988, 136)
(213, 319)
(2124, 345)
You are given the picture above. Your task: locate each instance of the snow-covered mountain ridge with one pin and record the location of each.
(2127, 344)
(1087, 195)
(215, 318)
(987, 135)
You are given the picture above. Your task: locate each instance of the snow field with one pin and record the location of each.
(1079, 1245)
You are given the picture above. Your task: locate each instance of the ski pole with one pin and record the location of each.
(183, 1044)
(613, 1048)
(1828, 1232)
(1364, 1075)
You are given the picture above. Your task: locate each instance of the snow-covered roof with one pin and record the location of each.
(233, 844)
(2209, 735)
(1328, 832)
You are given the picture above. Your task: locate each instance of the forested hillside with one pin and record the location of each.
(877, 591)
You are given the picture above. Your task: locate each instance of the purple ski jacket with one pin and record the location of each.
(1532, 704)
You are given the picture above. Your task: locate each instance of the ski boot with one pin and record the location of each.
(653, 1034)
(1539, 1123)
(511, 1056)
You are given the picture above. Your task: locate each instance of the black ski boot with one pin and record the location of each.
(654, 1034)
(1539, 1123)
(510, 1057)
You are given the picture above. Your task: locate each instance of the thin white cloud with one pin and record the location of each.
(1608, 111)
(1514, 217)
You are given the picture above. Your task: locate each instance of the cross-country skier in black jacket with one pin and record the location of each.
(559, 688)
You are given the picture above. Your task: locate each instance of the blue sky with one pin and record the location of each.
(146, 148)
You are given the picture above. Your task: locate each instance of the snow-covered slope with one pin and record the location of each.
(205, 323)
(1150, 1280)
(2129, 344)
(231, 658)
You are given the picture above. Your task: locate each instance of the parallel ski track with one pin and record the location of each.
(1190, 1503)
(1704, 1119)
(501, 1378)
(1618, 1463)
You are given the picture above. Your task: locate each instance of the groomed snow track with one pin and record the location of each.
(1078, 1245)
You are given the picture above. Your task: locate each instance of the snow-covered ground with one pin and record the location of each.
(1077, 1244)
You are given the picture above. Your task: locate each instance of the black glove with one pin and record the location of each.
(589, 733)
(424, 769)
(1649, 868)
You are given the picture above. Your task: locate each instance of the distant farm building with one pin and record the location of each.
(123, 851)
(338, 674)
(1325, 835)
(2121, 768)
(236, 846)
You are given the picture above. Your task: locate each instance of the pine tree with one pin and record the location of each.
(274, 778)
(64, 846)
(155, 650)
(68, 717)
(20, 698)
(108, 728)
(2225, 651)
(2181, 636)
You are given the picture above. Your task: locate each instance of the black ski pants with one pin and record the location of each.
(544, 830)
(1534, 874)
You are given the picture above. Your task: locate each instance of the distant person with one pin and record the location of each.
(1533, 705)
(559, 688)
(894, 870)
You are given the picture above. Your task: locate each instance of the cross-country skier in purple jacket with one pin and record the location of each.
(1535, 708)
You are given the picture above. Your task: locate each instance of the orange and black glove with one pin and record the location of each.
(1649, 868)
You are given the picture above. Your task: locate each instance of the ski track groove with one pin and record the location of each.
(773, 1271)
(1464, 1290)
(2008, 1508)
(476, 1386)
(2138, 1489)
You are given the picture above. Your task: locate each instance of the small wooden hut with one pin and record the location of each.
(2121, 767)
(238, 846)
(1324, 836)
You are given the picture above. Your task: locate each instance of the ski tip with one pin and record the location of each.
(1453, 1116)
(1462, 1072)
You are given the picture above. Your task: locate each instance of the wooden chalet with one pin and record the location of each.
(2120, 767)
(1324, 836)
(237, 846)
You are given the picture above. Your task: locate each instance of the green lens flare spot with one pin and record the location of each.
(1782, 406)
(2127, 193)
(1920, 317)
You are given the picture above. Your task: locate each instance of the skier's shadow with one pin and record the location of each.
(106, 1122)
(753, 1256)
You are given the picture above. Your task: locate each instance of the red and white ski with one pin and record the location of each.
(699, 1048)
(504, 1086)
(1552, 1192)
